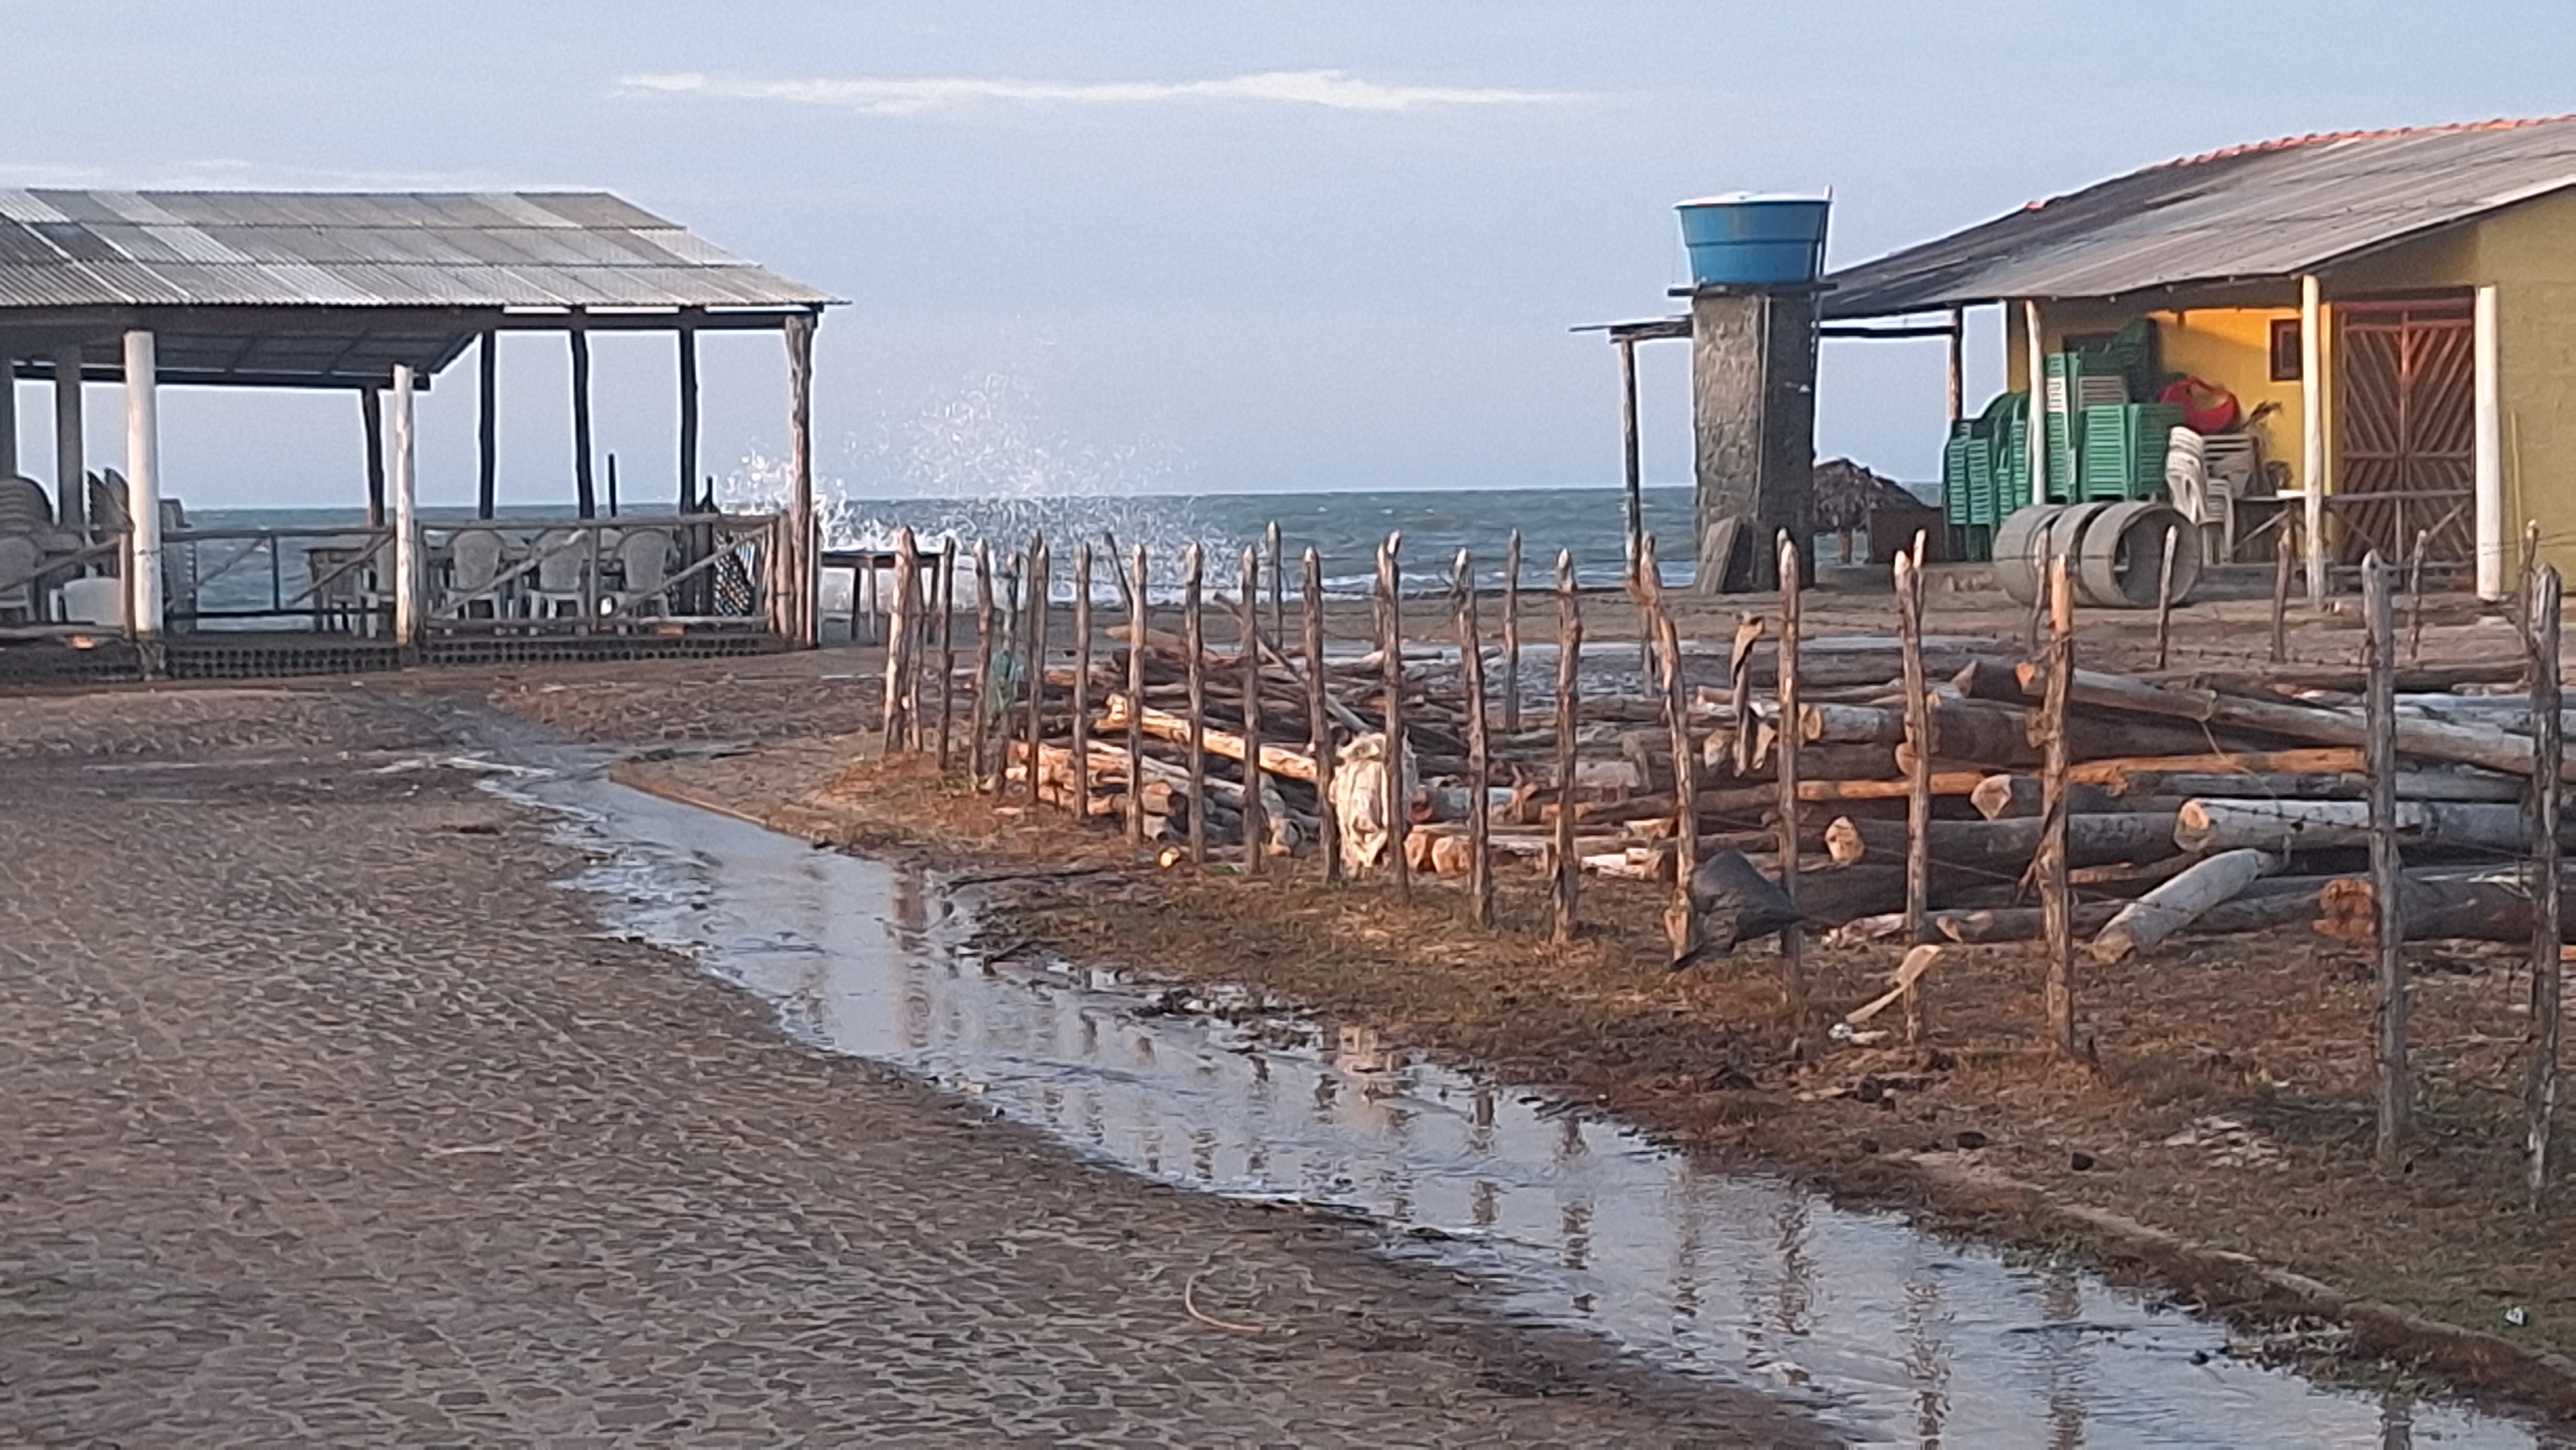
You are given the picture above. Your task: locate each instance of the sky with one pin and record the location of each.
(1115, 247)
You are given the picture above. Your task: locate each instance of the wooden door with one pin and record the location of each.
(2405, 428)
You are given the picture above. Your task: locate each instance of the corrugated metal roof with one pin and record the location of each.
(2276, 209)
(61, 248)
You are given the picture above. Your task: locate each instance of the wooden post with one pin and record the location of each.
(1398, 804)
(947, 644)
(371, 418)
(71, 468)
(409, 591)
(585, 495)
(2164, 599)
(2283, 549)
(1630, 465)
(1194, 645)
(2540, 1082)
(487, 428)
(1272, 555)
(688, 344)
(1082, 681)
(144, 606)
(1256, 821)
(1319, 718)
(802, 610)
(986, 707)
(1512, 635)
(1139, 616)
(1040, 611)
(1569, 656)
(1958, 363)
(1685, 759)
(2315, 399)
(2056, 898)
(1480, 767)
(2379, 765)
(898, 638)
(1918, 742)
(2415, 598)
(1793, 951)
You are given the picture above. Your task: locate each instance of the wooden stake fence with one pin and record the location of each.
(1512, 635)
(1080, 804)
(1471, 675)
(2540, 1081)
(898, 659)
(1256, 834)
(1398, 804)
(1793, 947)
(1040, 606)
(1569, 656)
(1139, 621)
(947, 647)
(2056, 900)
(1319, 718)
(1194, 647)
(2379, 766)
(986, 707)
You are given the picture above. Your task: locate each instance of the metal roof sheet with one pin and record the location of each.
(2271, 210)
(64, 248)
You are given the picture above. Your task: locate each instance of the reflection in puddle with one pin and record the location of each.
(1897, 1338)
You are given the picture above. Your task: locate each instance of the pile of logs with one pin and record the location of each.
(2208, 800)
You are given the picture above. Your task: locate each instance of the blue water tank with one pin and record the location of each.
(1753, 240)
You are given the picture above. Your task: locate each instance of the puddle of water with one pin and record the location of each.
(1896, 1338)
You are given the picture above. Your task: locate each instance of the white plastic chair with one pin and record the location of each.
(474, 564)
(563, 562)
(645, 555)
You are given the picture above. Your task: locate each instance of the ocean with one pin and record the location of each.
(1343, 527)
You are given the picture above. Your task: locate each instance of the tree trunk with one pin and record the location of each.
(2179, 902)
(2211, 825)
(2485, 906)
(2007, 845)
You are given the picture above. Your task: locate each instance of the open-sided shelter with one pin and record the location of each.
(376, 294)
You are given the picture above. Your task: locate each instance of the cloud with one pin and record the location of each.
(1333, 90)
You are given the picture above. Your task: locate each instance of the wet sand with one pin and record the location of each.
(334, 1120)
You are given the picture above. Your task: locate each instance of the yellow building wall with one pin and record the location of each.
(2229, 346)
(2528, 253)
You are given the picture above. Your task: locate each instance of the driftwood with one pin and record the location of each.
(2116, 772)
(2412, 785)
(1163, 725)
(2023, 923)
(2008, 845)
(2169, 908)
(2013, 797)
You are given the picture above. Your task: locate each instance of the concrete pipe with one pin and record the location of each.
(2030, 537)
(2118, 556)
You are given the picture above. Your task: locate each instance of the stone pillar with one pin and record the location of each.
(1753, 424)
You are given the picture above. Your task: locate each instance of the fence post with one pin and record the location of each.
(986, 707)
(2548, 757)
(2056, 897)
(898, 637)
(2283, 551)
(1194, 645)
(2379, 765)
(2164, 599)
(1399, 805)
(1256, 821)
(1319, 720)
(1512, 635)
(1040, 610)
(1139, 621)
(1793, 948)
(1471, 679)
(1918, 745)
(1569, 655)
(1668, 649)
(947, 646)
(1082, 681)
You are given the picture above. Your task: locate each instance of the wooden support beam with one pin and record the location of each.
(371, 421)
(585, 492)
(688, 347)
(71, 469)
(487, 427)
